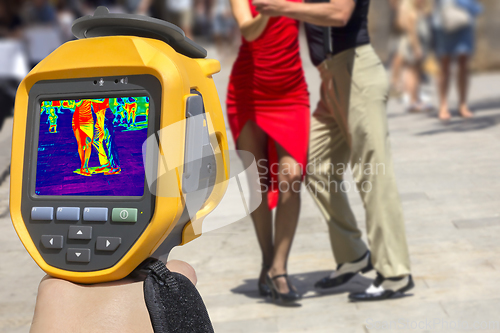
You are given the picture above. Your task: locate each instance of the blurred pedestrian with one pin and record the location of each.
(222, 24)
(202, 18)
(268, 111)
(350, 126)
(13, 63)
(153, 8)
(66, 15)
(454, 22)
(180, 13)
(42, 33)
(397, 59)
(40, 12)
(414, 47)
(10, 19)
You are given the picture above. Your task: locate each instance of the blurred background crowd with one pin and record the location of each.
(405, 34)
(31, 29)
(45, 24)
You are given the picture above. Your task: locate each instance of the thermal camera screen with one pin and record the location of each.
(92, 147)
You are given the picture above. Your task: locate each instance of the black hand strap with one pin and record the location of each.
(173, 302)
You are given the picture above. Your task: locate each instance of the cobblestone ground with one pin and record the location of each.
(448, 180)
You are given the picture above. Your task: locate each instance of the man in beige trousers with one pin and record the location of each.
(350, 126)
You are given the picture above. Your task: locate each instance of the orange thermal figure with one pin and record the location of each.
(100, 107)
(83, 126)
(131, 107)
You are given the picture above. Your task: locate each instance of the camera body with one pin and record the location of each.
(103, 128)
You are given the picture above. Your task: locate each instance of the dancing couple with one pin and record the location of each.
(98, 132)
(269, 115)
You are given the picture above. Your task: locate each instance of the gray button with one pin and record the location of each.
(80, 232)
(107, 243)
(95, 214)
(78, 255)
(42, 213)
(52, 241)
(68, 213)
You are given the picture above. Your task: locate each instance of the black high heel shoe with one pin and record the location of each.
(264, 290)
(290, 297)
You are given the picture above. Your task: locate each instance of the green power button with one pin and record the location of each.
(124, 215)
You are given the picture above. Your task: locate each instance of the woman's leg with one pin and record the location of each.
(254, 140)
(287, 215)
(396, 68)
(444, 81)
(463, 85)
(413, 85)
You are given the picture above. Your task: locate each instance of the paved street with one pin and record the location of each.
(450, 187)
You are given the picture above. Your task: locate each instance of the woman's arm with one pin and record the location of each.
(251, 27)
(335, 13)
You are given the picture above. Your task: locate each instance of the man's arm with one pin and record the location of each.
(335, 13)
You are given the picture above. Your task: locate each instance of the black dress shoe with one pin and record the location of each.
(345, 272)
(384, 288)
(289, 297)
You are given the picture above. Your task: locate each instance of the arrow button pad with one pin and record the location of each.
(84, 238)
(107, 243)
(80, 232)
(52, 241)
(78, 255)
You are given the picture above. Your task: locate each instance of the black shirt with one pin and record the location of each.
(354, 34)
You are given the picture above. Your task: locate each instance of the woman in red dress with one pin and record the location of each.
(268, 111)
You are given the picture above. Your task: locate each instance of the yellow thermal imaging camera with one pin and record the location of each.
(118, 148)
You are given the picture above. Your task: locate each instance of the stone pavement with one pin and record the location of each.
(450, 188)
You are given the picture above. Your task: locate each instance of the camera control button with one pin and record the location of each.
(42, 213)
(124, 215)
(52, 241)
(78, 255)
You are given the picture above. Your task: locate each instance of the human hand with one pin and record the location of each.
(270, 7)
(117, 306)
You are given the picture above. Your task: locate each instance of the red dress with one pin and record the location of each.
(267, 86)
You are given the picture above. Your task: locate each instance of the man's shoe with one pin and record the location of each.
(345, 272)
(384, 288)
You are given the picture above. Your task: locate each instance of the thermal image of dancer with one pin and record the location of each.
(88, 143)
(104, 138)
(83, 127)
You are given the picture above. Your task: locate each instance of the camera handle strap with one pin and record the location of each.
(173, 302)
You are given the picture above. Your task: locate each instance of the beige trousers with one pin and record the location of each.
(349, 126)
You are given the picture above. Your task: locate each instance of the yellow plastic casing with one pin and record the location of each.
(178, 74)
